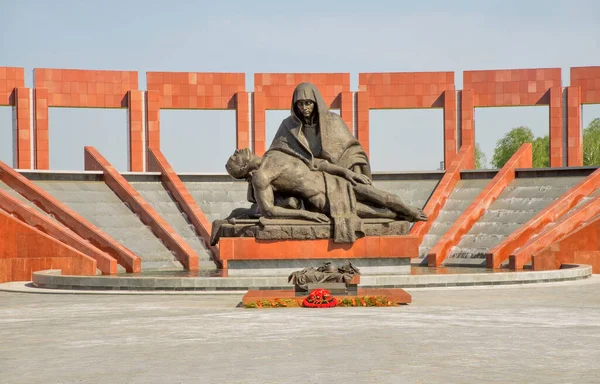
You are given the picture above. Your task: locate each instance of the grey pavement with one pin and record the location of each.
(538, 333)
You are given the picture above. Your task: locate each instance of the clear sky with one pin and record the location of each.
(277, 36)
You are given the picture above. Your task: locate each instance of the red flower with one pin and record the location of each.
(319, 298)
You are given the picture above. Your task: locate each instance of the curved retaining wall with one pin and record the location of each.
(53, 279)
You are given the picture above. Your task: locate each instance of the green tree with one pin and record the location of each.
(541, 152)
(480, 158)
(509, 144)
(512, 141)
(591, 143)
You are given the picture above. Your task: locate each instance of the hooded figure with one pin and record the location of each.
(324, 137)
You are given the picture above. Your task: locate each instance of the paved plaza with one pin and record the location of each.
(538, 333)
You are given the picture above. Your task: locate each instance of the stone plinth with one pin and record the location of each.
(273, 229)
(373, 255)
(395, 295)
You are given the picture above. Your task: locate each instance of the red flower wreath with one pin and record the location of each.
(319, 298)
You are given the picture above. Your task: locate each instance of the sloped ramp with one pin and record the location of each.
(159, 198)
(461, 197)
(521, 200)
(98, 204)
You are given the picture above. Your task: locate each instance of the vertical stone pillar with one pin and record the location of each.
(449, 127)
(258, 116)
(556, 127)
(242, 122)
(346, 109)
(23, 137)
(467, 126)
(362, 119)
(135, 100)
(574, 134)
(40, 118)
(152, 121)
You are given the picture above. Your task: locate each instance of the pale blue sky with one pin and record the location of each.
(276, 36)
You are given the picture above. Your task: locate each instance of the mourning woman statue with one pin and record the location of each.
(314, 134)
(317, 137)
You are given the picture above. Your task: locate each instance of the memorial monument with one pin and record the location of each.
(313, 182)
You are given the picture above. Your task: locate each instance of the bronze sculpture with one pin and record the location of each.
(339, 193)
(326, 273)
(315, 135)
(315, 170)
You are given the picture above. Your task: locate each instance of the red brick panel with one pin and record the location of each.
(462, 225)
(406, 89)
(30, 216)
(158, 162)
(362, 119)
(245, 248)
(511, 87)
(574, 133)
(449, 126)
(468, 123)
(69, 218)
(588, 80)
(10, 78)
(136, 127)
(347, 109)
(259, 116)
(581, 246)
(565, 225)
(23, 128)
(153, 119)
(86, 88)
(242, 121)
(24, 250)
(40, 113)
(445, 187)
(279, 87)
(556, 127)
(196, 90)
(117, 183)
(498, 254)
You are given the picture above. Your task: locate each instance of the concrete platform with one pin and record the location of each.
(530, 333)
(52, 279)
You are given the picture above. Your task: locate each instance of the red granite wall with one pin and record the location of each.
(25, 249)
(213, 90)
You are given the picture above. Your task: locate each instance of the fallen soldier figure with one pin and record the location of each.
(328, 191)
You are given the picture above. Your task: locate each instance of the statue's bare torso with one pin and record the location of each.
(280, 172)
(286, 173)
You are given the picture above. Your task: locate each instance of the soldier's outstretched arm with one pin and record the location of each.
(352, 177)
